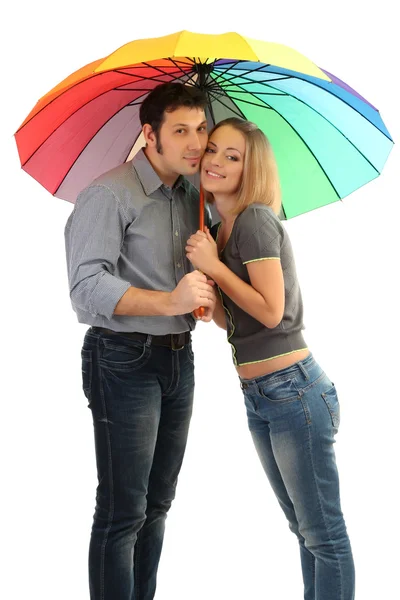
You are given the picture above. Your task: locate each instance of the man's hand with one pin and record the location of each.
(193, 291)
(209, 310)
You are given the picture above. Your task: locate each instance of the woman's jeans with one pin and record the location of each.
(141, 399)
(293, 416)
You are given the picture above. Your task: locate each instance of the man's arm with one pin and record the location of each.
(191, 292)
(94, 235)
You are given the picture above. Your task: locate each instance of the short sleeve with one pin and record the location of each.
(258, 234)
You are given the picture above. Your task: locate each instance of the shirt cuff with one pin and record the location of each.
(106, 295)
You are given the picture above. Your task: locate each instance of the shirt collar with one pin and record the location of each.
(148, 177)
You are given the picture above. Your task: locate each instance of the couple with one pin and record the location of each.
(135, 267)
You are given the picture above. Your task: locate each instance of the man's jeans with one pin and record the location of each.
(293, 416)
(141, 399)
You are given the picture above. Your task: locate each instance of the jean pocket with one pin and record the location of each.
(279, 391)
(123, 357)
(332, 402)
(87, 370)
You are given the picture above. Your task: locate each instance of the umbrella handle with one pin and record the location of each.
(199, 312)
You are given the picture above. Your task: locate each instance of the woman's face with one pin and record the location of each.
(222, 164)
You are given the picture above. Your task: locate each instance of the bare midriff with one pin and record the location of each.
(273, 364)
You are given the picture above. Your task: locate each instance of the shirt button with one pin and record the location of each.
(178, 265)
(176, 233)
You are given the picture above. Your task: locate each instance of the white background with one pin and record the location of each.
(226, 537)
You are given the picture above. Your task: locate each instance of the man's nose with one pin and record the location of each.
(194, 142)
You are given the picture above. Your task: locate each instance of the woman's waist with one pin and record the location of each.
(271, 365)
(305, 372)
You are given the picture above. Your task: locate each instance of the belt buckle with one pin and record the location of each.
(177, 337)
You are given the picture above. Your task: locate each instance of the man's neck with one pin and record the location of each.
(168, 179)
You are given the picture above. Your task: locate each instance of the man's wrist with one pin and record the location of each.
(170, 305)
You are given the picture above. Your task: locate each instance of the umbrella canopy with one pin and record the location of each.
(327, 139)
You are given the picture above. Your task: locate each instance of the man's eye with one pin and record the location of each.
(202, 128)
(180, 130)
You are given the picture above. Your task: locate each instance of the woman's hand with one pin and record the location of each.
(202, 251)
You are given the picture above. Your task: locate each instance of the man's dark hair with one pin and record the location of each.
(168, 97)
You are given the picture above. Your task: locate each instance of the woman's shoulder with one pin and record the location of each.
(256, 215)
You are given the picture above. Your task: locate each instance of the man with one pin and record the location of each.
(131, 282)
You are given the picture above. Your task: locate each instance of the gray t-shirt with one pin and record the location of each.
(258, 234)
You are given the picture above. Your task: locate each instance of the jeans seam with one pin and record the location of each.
(136, 577)
(320, 507)
(170, 391)
(110, 473)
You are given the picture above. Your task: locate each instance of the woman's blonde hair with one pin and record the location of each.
(260, 179)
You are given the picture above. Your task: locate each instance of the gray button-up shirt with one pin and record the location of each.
(129, 229)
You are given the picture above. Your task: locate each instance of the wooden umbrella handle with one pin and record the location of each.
(199, 312)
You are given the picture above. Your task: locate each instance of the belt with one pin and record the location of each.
(175, 341)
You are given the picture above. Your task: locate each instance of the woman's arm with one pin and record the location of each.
(264, 299)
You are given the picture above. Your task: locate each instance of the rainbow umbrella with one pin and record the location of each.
(327, 139)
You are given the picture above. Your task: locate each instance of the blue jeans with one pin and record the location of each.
(141, 398)
(293, 416)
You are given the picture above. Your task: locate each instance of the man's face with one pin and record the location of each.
(182, 140)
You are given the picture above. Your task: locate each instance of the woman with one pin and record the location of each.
(292, 406)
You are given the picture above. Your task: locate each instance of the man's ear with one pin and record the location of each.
(149, 135)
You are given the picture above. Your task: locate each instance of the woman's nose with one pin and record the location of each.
(216, 160)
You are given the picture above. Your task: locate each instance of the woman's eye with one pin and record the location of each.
(234, 158)
(209, 150)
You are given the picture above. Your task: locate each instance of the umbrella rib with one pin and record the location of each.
(258, 93)
(80, 82)
(235, 64)
(244, 75)
(305, 143)
(139, 101)
(142, 65)
(80, 107)
(141, 77)
(164, 72)
(191, 71)
(87, 144)
(263, 105)
(318, 113)
(239, 113)
(299, 76)
(311, 152)
(344, 102)
(254, 81)
(61, 124)
(211, 109)
(315, 84)
(125, 89)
